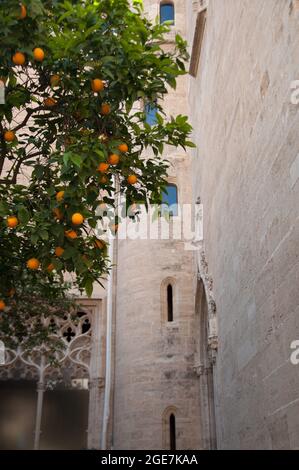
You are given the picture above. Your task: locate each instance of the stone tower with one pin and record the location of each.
(155, 387)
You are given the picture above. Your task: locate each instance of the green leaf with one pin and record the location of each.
(34, 238)
(76, 159)
(44, 235)
(57, 263)
(38, 171)
(23, 215)
(190, 144)
(88, 287)
(66, 158)
(69, 252)
(3, 208)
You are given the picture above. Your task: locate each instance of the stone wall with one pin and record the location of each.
(246, 172)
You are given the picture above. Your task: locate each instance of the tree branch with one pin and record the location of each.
(30, 111)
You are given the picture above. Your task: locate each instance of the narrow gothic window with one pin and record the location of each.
(167, 12)
(169, 302)
(169, 428)
(172, 435)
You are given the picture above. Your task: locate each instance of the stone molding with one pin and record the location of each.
(207, 280)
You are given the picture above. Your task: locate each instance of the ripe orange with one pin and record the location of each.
(100, 244)
(54, 80)
(50, 102)
(105, 109)
(23, 13)
(103, 167)
(77, 218)
(113, 159)
(97, 85)
(12, 221)
(60, 196)
(58, 214)
(9, 136)
(50, 267)
(33, 264)
(71, 234)
(123, 148)
(19, 58)
(2, 305)
(38, 54)
(132, 179)
(59, 251)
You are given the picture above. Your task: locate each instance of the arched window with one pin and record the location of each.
(170, 200)
(169, 300)
(172, 434)
(151, 113)
(169, 303)
(169, 424)
(166, 12)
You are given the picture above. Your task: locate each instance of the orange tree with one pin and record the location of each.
(69, 127)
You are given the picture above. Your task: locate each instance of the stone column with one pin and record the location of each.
(39, 410)
(96, 399)
(96, 384)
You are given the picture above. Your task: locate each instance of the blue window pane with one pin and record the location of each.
(170, 200)
(166, 12)
(151, 114)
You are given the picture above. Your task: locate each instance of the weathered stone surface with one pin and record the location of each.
(246, 172)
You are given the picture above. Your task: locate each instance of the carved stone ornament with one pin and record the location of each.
(203, 275)
(73, 359)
